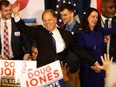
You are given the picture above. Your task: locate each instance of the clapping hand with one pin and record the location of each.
(96, 67)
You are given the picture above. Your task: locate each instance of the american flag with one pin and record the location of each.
(59, 3)
(96, 4)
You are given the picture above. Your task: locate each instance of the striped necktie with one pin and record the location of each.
(6, 42)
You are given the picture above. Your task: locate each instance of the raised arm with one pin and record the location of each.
(16, 8)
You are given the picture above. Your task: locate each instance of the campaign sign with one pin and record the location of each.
(49, 75)
(10, 71)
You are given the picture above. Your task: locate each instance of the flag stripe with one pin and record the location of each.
(96, 4)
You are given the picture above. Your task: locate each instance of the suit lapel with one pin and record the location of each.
(114, 22)
(64, 36)
(13, 30)
(75, 26)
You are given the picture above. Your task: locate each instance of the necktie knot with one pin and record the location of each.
(106, 23)
(51, 33)
(107, 20)
(5, 22)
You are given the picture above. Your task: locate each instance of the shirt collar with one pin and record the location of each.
(104, 18)
(55, 30)
(70, 26)
(8, 21)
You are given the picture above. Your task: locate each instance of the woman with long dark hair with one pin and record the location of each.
(91, 37)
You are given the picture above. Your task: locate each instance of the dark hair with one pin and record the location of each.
(34, 45)
(70, 7)
(84, 21)
(103, 3)
(5, 3)
(50, 11)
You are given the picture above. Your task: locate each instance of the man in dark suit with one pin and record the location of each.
(42, 34)
(108, 12)
(15, 39)
(71, 24)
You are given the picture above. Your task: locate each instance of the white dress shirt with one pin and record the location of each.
(9, 33)
(60, 44)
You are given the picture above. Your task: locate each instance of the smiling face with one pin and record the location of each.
(108, 10)
(6, 12)
(92, 19)
(49, 21)
(67, 16)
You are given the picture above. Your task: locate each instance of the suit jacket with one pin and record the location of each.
(72, 59)
(113, 40)
(75, 27)
(47, 52)
(16, 42)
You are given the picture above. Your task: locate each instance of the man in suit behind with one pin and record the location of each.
(108, 12)
(15, 39)
(71, 24)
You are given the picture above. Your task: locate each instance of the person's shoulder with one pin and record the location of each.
(12, 19)
(77, 22)
(80, 30)
(63, 31)
(62, 26)
(114, 18)
(40, 27)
